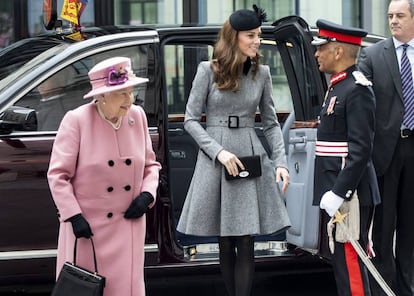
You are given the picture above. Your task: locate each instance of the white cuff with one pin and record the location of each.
(331, 202)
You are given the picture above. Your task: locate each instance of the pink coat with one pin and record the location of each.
(97, 171)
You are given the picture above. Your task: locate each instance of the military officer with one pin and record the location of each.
(343, 166)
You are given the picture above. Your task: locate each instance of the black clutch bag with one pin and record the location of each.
(252, 168)
(77, 281)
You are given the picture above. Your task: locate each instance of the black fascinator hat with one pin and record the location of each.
(246, 19)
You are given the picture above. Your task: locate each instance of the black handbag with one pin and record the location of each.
(252, 168)
(77, 281)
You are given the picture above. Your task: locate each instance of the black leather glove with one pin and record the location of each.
(139, 206)
(80, 226)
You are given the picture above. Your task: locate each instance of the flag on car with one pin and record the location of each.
(72, 10)
(82, 5)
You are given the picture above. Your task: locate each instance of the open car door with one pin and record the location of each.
(308, 85)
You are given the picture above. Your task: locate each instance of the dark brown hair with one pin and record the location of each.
(228, 60)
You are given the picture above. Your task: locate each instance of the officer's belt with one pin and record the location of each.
(231, 121)
(336, 149)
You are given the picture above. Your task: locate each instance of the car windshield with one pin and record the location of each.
(31, 65)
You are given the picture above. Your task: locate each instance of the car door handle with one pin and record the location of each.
(178, 154)
(176, 132)
(299, 143)
(297, 140)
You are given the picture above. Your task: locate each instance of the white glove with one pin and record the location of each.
(331, 202)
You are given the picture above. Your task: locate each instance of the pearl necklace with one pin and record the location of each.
(115, 125)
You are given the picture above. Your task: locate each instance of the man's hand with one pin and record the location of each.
(331, 202)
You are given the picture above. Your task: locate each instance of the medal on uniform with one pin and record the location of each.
(331, 105)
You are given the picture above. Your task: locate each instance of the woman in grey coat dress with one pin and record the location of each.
(229, 89)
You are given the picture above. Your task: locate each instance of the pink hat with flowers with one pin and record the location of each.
(112, 74)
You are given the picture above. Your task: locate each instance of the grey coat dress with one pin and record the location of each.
(215, 206)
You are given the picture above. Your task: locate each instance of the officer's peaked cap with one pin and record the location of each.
(329, 31)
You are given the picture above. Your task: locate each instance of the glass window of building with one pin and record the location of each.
(217, 11)
(138, 12)
(375, 18)
(368, 14)
(6, 23)
(35, 15)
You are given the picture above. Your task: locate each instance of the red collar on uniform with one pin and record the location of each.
(338, 77)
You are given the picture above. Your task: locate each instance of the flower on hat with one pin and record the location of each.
(116, 77)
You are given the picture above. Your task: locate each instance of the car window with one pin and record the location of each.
(64, 90)
(181, 63)
(11, 71)
(281, 91)
(305, 77)
(22, 51)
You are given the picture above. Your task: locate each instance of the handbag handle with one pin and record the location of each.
(94, 255)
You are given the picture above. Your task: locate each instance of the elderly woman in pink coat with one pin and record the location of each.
(103, 176)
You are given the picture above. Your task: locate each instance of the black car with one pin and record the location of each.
(45, 76)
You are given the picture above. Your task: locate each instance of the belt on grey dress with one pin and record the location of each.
(232, 121)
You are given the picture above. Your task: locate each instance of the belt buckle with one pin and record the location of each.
(403, 136)
(233, 121)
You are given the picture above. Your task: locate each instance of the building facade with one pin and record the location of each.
(24, 18)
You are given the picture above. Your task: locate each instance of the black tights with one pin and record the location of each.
(237, 263)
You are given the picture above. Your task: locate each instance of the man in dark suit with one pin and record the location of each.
(393, 153)
(344, 173)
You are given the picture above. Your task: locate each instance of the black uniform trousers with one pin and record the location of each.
(351, 275)
(396, 214)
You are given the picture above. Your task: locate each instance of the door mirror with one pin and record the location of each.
(18, 118)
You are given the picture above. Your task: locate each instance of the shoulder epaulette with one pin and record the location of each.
(361, 79)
